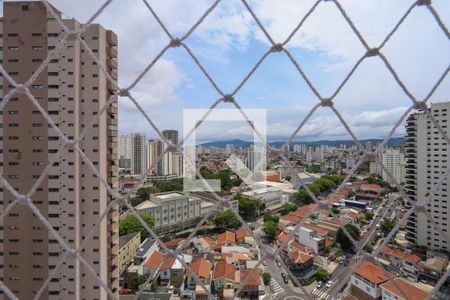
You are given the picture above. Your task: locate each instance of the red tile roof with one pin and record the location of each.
(319, 230)
(298, 257)
(201, 267)
(282, 237)
(254, 279)
(226, 238)
(373, 273)
(371, 187)
(154, 260)
(301, 247)
(174, 243)
(209, 240)
(409, 290)
(301, 212)
(167, 264)
(241, 233)
(413, 257)
(290, 219)
(224, 270)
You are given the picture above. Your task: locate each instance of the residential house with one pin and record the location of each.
(401, 290)
(241, 234)
(146, 248)
(227, 238)
(152, 264)
(433, 269)
(310, 238)
(253, 287)
(225, 276)
(299, 261)
(202, 268)
(402, 260)
(128, 245)
(366, 281)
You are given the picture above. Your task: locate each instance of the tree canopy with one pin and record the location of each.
(287, 208)
(249, 208)
(131, 224)
(271, 230)
(321, 185)
(227, 219)
(143, 194)
(225, 176)
(344, 241)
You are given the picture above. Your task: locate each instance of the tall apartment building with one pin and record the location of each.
(427, 155)
(72, 89)
(394, 162)
(171, 162)
(133, 147)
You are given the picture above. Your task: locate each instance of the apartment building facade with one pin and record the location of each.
(172, 211)
(427, 154)
(72, 90)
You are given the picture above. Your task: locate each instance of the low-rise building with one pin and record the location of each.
(173, 211)
(128, 245)
(402, 260)
(225, 276)
(202, 268)
(401, 290)
(433, 269)
(366, 281)
(146, 248)
(309, 238)
(253, 287)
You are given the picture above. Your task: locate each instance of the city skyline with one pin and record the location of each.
(371, 102)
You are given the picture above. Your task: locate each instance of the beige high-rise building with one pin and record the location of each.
(427, 154)
(72, 89)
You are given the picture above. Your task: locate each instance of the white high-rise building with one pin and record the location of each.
(394, 162)
(134, 148)
(229, 149)
(427, 154)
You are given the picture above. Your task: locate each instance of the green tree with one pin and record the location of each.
(335, 210)
(268, 216)
(249, 208)
(227, 219)
(302, 198)
(170, 185)
(369, 215)
(131, 224)
(344, 241)
(136, 281)
(271, 230)
(368, 248)
(287, 208)
(143, 194)
(322, 274)
(387, 225)
(266, 278)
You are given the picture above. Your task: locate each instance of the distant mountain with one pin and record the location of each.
(244, 144)
(222, 144)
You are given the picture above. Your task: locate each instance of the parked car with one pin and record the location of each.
(329, 284)
(278, 264)
(126, 292)
(285, 278)
(319, 284)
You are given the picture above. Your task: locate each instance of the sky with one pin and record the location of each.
(229, 43)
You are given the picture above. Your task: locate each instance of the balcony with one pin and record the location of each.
(112, 51)
(112, 63)
(111, 38)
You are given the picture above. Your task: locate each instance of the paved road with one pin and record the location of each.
(342, 270)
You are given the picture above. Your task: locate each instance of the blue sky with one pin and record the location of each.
(229, 43)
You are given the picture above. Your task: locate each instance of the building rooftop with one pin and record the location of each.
(406, 289)
(146, 204)
(144, 247)
(224, 270)
(201, 267)
(254, 279)
(373, 273)
(154, 260)
(124, 239)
